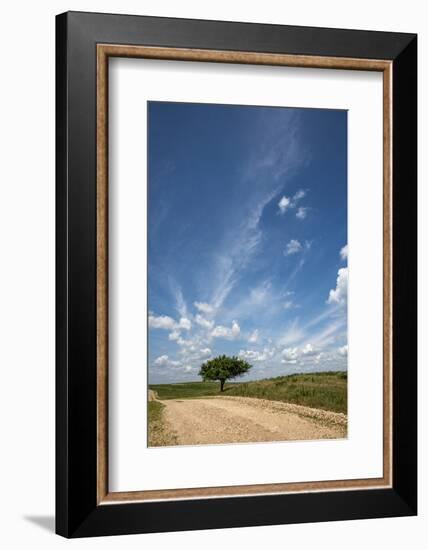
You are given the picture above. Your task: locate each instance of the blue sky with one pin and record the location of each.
(247, 238)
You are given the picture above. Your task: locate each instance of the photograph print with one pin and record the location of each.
(247, 274)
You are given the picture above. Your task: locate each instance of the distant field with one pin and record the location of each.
(320, 390)
(188, 389)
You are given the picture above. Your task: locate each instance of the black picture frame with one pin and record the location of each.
(77, 511)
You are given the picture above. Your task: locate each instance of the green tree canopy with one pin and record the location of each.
(223, 368)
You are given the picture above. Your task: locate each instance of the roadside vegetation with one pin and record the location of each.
(320, 390)
(158, 433)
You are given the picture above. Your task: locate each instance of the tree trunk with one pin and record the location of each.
(222, 385)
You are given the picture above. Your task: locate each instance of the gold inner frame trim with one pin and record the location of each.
(104, 51)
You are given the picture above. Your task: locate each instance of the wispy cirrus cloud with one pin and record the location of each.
(203, 307)
(180, 303)
(269, 167)
(293, 333)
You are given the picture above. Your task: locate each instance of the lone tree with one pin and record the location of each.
(223, 368)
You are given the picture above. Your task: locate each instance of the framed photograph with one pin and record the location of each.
(236, 274)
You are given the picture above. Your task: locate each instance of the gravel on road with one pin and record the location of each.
(241, 419)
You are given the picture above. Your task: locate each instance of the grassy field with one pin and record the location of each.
(320, 390)
(188, 389)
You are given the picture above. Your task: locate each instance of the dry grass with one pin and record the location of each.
(159, 434)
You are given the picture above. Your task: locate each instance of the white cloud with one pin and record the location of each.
(288, 305)
(310, 358)
(203, 307)
(224, 332)
(307, 354)
(343, 350)
(174, 335)
(162, 322)
(220, 332)
(204, 323)
(309, 350)
(194, 354)
(293, 247)
(340, 293)
(256, 356)
(344, 252)
(302, 212)
(186, 343)
(206, 352)
(235, 328)
(284, 204)
(299, 195)
(165, 361)
(317, 359)
(168, 323)
(162, 360)
(185, 324)
(290, 355)
(254, 336)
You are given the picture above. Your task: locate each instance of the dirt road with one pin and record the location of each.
(239, 419)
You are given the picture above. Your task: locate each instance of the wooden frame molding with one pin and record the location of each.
(104, 52)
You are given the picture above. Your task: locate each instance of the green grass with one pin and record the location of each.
(320, 390)
(188, 389)
(155, 411)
